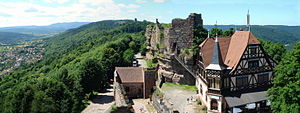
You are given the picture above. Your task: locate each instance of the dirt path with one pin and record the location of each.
(101, 103)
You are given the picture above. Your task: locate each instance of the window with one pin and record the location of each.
(214, 104)
(252, 63)
(214, 83)
(242, 81)
(263, 78)
(226, 83)
(253, 50)
(200, 89)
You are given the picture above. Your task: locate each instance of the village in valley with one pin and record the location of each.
(12, 55)
(220, 75)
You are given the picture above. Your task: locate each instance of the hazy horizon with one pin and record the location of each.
(226, 12)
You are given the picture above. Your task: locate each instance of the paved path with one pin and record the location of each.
(141, 61)
(101, 103)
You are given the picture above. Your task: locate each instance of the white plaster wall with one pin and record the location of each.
(219, 103)
(204, 90)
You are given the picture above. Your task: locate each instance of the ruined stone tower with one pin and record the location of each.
(175, 36)
(169, 40)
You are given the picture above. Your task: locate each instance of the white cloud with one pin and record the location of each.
(132, 11)
(24, 13)
(140, 1)
(159, 1)
(96, 2)
(56, 1)
(132, 6)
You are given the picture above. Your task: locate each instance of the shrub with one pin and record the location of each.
(114, 108)
(199, 102)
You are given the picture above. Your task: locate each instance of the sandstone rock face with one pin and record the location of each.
(174, 37)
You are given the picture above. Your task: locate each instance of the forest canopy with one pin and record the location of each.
(77, 62)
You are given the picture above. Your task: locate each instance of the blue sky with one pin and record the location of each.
(226, 12)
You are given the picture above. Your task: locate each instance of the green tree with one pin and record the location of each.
(275, 50)
(228, 32)
(93, 77)
(200, 35)
(284, 95)
(75, 63)
(110, 59)
(133, 45)
(215, 31)
(128, 56)
(143, 49)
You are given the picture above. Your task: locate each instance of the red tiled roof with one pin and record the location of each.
(131, 74)
(231, 48)
(207, 48)
(238, 44)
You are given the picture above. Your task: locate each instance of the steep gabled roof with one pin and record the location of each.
(207, 47)
(238, 43)
(231, 48)
(216, 62)
(131, 74)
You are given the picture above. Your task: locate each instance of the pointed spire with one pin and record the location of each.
(216, 23)
(248, 20)
(216, 61)
(208, 33)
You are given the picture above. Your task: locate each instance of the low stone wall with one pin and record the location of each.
(119, 97)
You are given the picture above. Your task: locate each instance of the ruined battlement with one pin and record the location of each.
(170, 39)
(176, 36)
(192, 20)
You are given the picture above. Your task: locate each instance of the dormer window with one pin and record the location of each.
(253, 50)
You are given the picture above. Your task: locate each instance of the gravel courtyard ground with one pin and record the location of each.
(101, 103)
(179, 98)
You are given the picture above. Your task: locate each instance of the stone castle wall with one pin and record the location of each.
(177, 37)
(174, 38)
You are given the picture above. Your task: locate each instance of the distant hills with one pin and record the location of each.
(275, 33)
(25, 33)
(9, 37)
(53, 28)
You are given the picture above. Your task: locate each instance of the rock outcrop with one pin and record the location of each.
(170, 39)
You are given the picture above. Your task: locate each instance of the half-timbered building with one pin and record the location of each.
(234, 73)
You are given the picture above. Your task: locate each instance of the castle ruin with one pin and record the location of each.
(169, 40)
